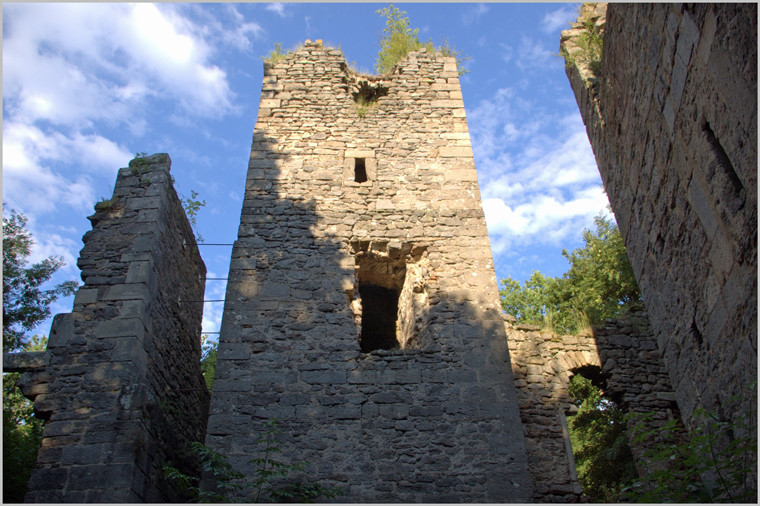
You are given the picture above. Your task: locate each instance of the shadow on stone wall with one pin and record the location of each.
(630, 369)
(120, 386)
(435, 423)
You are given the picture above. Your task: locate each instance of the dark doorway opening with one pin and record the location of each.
(379, 315)
(360, 170)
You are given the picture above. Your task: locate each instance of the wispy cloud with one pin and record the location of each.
(532, 54)
(474, 13)
(279, 9)
(559, 18)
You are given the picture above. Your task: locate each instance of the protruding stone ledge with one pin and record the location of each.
(25, 361)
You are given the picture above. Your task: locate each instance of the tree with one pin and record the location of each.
(529, 303)
(399, 39)
(208, 361)
(25, 303)
(600, 281)
(599, 284)
(600, 443)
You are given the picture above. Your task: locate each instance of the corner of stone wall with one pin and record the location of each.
(120, 386)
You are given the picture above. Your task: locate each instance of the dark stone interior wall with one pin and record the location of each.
(673, 125)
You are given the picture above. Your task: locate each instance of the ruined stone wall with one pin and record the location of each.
(622, 352)
(120, 385)
(362, 309)
(673, 125)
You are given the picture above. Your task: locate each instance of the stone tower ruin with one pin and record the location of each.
(362, 309)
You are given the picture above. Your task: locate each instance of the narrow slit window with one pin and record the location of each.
(360, 170)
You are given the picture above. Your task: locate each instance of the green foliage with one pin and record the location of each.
(600, 443)
(600, 281)
(599, 284)
(277, 54)
(25, 304)
(139, 166)
(22, 432)
(399, 39)
(589, 43)
(715, 462)
(530, 303)
(192, 206)
(363, 105)
(230, 484)
(208, 362)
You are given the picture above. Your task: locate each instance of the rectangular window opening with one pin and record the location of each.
(360, 170)
(379, 316)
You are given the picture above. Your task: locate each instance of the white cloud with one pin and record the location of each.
(74, 64)
(537, 173)
(71, 70)
(560, 18)
(278, 8)
(29, 155)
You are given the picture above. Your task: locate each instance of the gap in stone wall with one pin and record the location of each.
(389, 298)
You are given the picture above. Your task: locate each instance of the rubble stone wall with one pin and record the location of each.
(622, 352)
(359, 185)
(120, 385)
(672, 119)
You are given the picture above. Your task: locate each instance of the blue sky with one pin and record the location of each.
(86, 86)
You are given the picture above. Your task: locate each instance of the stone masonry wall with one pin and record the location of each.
(120, 385)
(673, 125)
(344, 205)
(622, 352)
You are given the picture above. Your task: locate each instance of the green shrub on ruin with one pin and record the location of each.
(399, 39)
(277, 54)
(589, 43)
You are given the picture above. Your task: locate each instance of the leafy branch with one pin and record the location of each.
(192, 206)
(715, 462)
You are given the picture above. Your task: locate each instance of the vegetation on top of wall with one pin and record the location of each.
(277, 54)
(399, 39)
(588, 44)
(599, 285)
